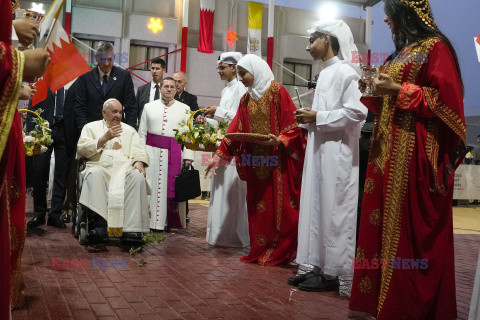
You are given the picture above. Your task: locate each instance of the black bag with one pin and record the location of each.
(187, 184)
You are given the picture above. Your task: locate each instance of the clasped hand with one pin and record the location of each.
(382, 85)
(139, 166)
(210, 112)
(305, 116)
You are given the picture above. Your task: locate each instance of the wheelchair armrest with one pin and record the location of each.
(82, 163)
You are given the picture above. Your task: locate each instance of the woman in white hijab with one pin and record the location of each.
(271, 167)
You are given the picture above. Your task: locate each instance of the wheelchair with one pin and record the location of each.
(82, 216)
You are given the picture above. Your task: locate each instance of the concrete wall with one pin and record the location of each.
(125, 22)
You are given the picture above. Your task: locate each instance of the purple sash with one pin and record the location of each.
(174, 168)
(174, 158)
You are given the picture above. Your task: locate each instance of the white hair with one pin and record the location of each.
(106, 104)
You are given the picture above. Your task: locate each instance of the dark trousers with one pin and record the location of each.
(363, 157)
(41, 163)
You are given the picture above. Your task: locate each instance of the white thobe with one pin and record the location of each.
(474, 313)
(227, 222)
(328, 201)
(161, 120)
(112, 187)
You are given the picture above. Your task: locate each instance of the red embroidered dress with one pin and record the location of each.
(273, 187)
(12, 169)
(406, 222)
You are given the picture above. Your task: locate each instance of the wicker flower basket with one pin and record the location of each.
(33, 145)
(198, 146)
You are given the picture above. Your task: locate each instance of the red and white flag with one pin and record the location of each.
(65, 66)
(207, 11)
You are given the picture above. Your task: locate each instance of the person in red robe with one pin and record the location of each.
(14, 65)
(271, 168)
(404, 265)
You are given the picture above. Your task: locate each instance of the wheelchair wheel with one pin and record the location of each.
(77, 220)
(82, 237)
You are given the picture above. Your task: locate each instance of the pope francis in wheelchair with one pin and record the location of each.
(114, 187)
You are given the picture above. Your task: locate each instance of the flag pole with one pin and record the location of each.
(271, 18)
(183, 58)
(68, 16)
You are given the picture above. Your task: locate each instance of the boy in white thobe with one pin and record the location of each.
(328, 202)
(227, 222)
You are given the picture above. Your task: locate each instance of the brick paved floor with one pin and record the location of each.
(184, 278)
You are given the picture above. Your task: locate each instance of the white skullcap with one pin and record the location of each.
(342, 32)
(230, 57)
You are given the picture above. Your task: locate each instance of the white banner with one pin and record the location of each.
(255, 42)
(467, 182)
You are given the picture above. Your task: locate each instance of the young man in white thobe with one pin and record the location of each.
(328, 202)
(158, 120)
(114, 184)
(227, 222)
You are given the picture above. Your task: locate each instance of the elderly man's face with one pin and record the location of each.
(181, 82)
(105, 61)
(168, 90)
(113, 113)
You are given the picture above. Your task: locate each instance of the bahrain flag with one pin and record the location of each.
(65, 66)
(205, 36)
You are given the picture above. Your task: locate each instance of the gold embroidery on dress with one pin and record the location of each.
(394, 195)
(293, 203)
(361, 253)
(15, 189)
(239, 125)
(375, 217)
(369, 185)
(261, 240)
(261, 206)
(365, 285)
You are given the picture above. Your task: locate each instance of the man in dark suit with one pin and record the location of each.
(104, 82)
(182, 95)
(53, 107)
(151, 91)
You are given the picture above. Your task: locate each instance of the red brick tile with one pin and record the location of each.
(142, 308)
(126, 314)
(102, 309)
(109, 292)
(83, 315)
(118, 303)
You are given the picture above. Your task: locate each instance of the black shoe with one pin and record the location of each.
(36, 221)
(318, 283)
(295, 281)
(97, 235)
(132, 238)
(188, 219)
(56, 223)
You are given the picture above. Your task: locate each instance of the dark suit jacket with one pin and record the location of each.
(71, 130)
(89, 97)
(143, 97)
(189, 99)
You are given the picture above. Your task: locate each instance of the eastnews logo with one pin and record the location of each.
(394, 263)
(59, 263)
(247, 160)
(381, 57)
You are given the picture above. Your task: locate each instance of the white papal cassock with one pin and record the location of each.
(227, 223)
(328, 202)
(158, 119)
(112, 187)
